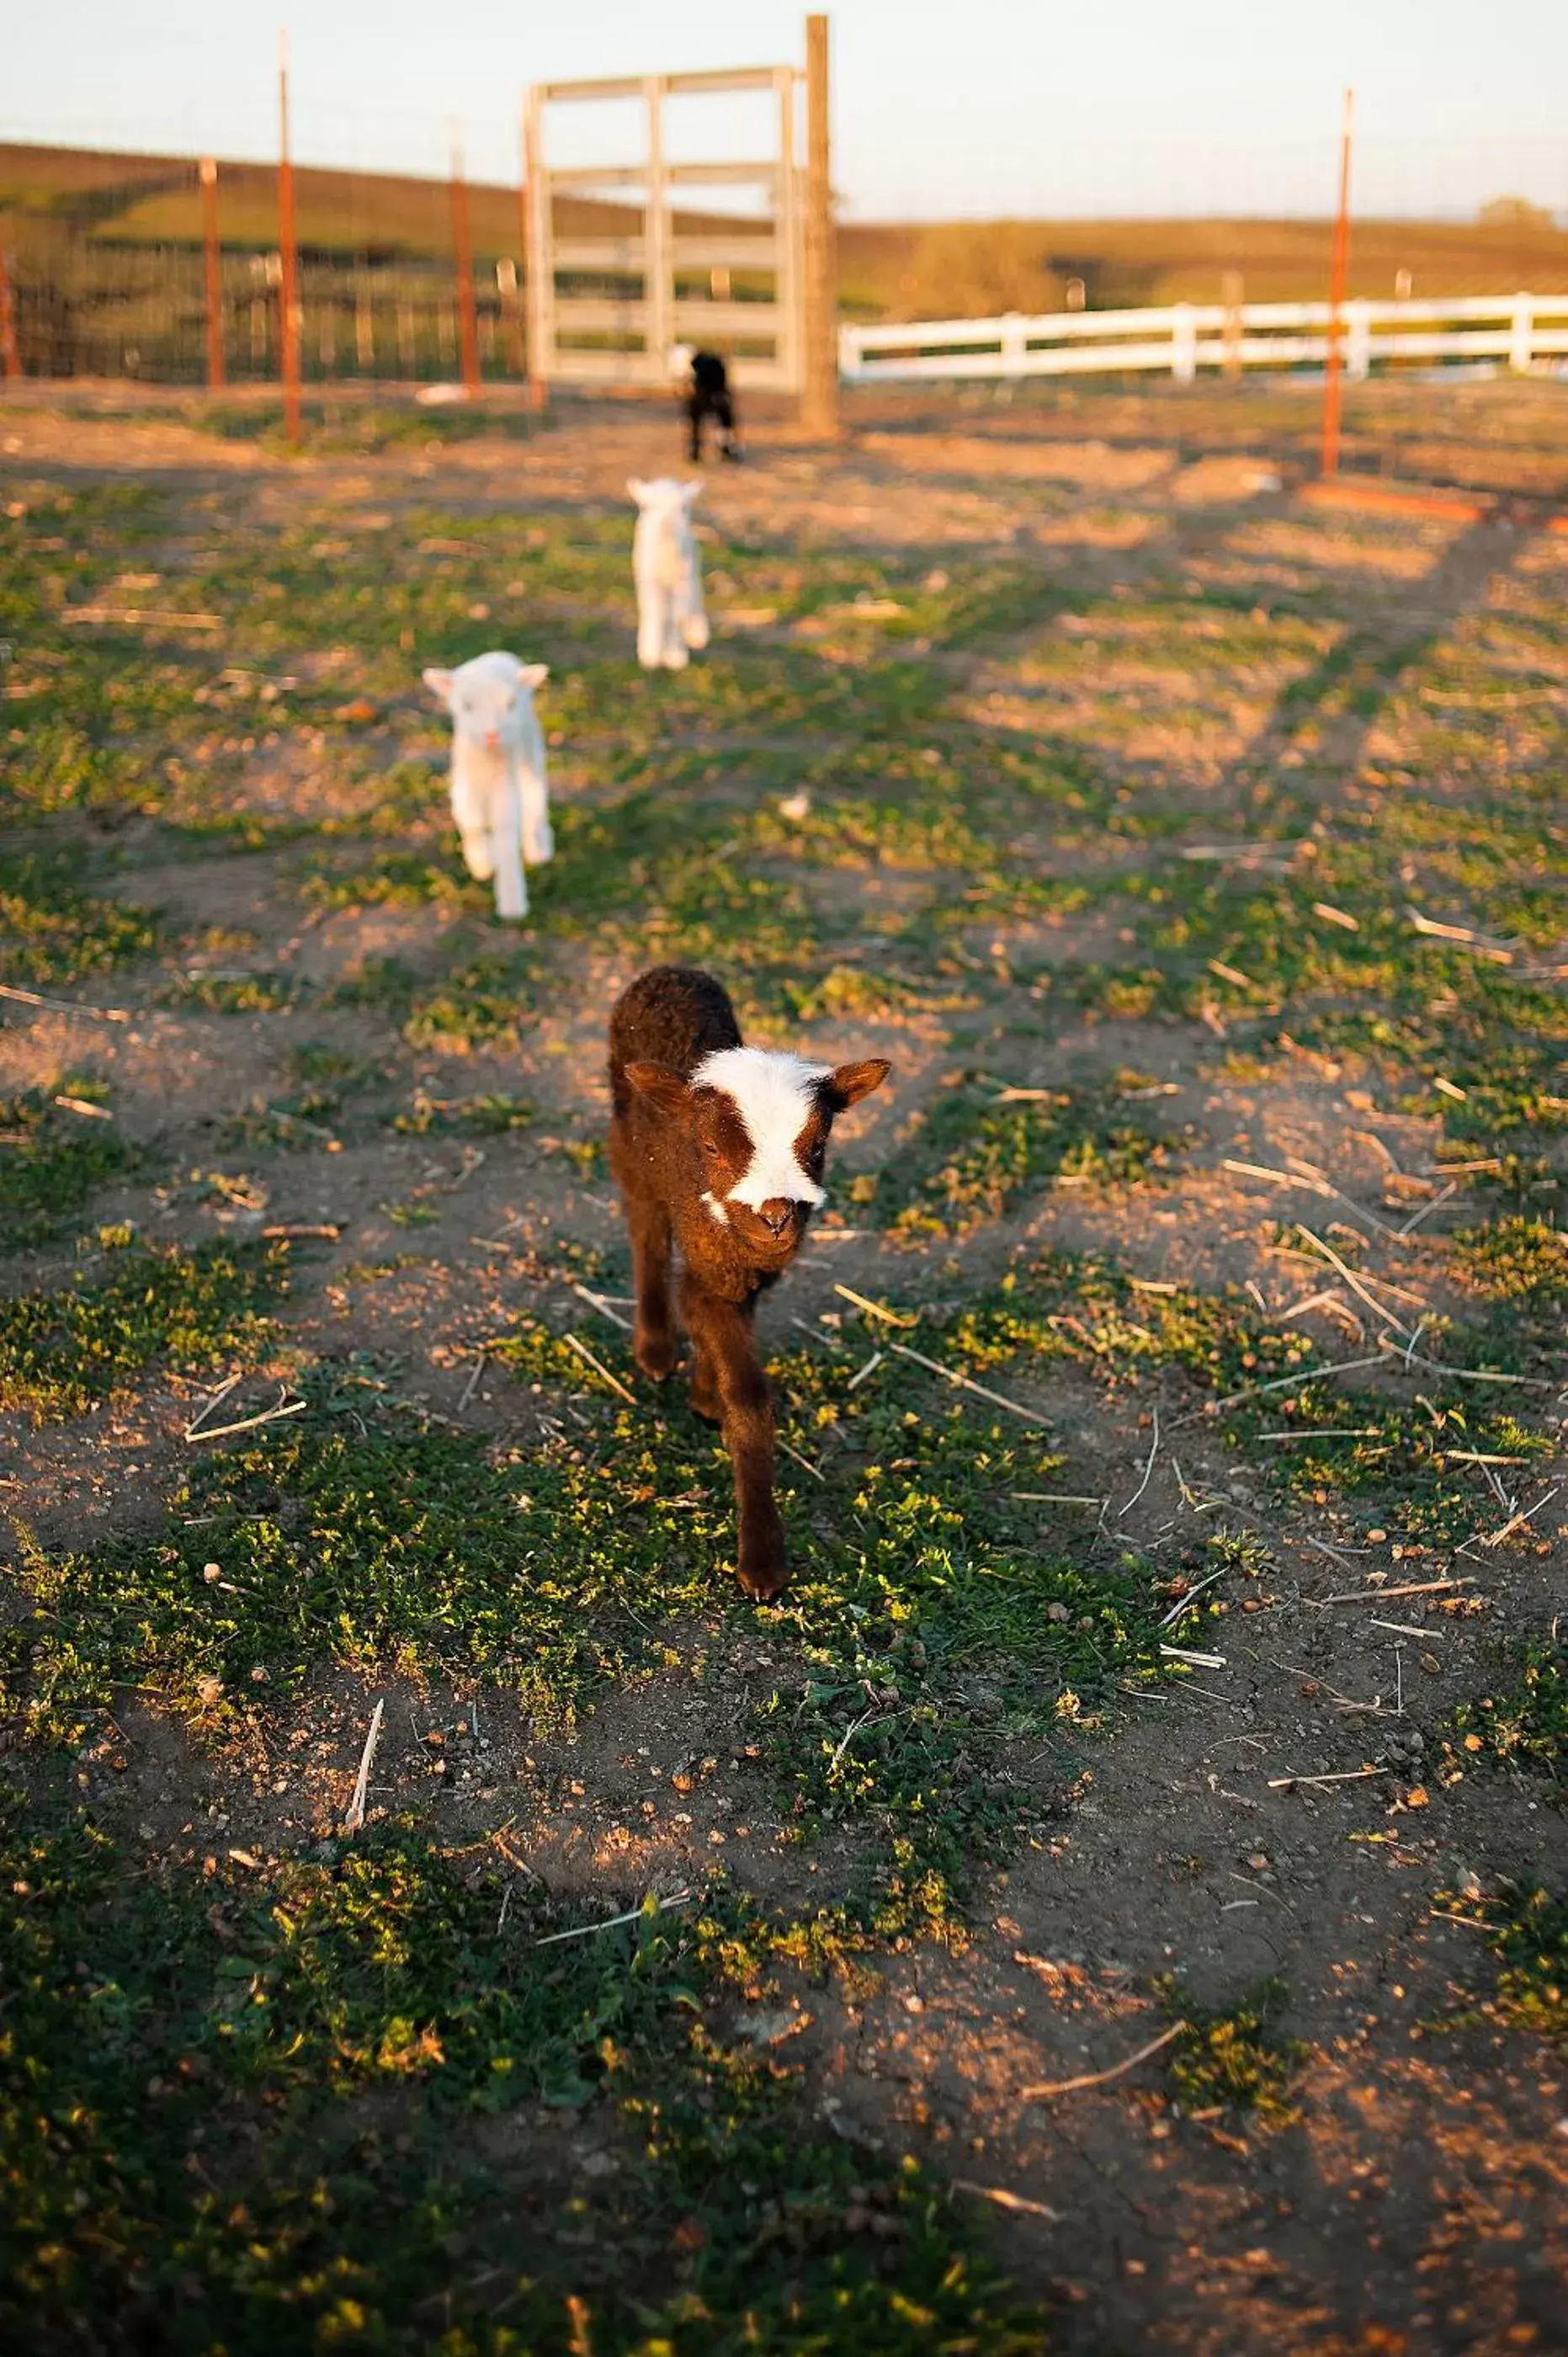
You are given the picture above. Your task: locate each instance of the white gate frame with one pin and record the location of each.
(658, 315)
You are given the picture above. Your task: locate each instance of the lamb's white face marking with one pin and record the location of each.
(775, 1096)
(715, 1207)
(489, 697)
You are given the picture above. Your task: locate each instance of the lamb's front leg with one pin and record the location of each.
(725, 1339)
(538, 837)
(506, 846)
(652, 600)
(676, 655)
(694, 621)
(470, 809)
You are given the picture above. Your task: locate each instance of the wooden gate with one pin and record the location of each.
(610, 297)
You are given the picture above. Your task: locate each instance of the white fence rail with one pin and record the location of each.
(1518, 330)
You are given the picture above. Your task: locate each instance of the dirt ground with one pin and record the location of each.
(1274, 1813)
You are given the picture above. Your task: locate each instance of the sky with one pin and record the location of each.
(942, 108)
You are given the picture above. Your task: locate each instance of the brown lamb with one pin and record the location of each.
(718, 1150)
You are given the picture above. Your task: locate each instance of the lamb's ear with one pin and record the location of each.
(661, 1086)
(532, 674)
(440, 684)
(847, 1083)
(689, 495)
(637, 488)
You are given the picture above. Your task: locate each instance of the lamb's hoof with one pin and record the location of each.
(655, 1354)
(697, 639)
(764, 1579)
(705, 1404)
(677, 659)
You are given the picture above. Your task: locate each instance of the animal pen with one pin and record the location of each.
(609, 269)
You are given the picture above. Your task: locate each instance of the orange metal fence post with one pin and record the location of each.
(534, 222)
(463, 264)
(1338, 268)
(288, 292)
(216, 377)
(10, 357)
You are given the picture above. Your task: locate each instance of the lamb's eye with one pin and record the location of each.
(715, 1153)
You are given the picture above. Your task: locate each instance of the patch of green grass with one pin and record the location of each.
(975, 1152)
(300, 1119)
(1414, 1467)
(51, 933)
(1523, 1725)
(1523, 1262)
(929, 1628)
(1526, 1928)
(1235, 2061)
(235, 993)
(480, 1005)
(396, 880)
(485, 1115)
(61, 1353)
(252, 2110)
(52, 1158)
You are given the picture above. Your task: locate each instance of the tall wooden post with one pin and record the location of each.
(212, 275)
(657, 279)
(463, 264)
(538, 286)
(290, 322)
(820, 407)
(519, 281)
(1233, 292)
(1337, 271)
(10, 357)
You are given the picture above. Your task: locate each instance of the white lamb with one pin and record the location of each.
(670, 616)
(501, 792)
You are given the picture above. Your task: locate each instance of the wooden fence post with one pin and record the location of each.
(212, 275)
(463, 264)
(290, 318)
(1338, 266)
(1521, 325)
(1232, 294)
(820, 407)
(1184, 343)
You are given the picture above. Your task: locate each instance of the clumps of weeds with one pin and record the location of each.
(1523, 1725)
(63, 1352)
(494, 1115)
(479, 1005)
(1418, 1469)
(383, 985)
(1083, 1309)
(57, 1147)
(299, 1119)
(335, 1531)
(981, 1147)
(1520, 1267)
(374, 2004)
(234, 994)
(395, 880)
(53, 933)
(842, 993)
(1527, 1931)
(1234, 2062)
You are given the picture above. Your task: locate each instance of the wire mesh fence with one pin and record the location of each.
(109, 279)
